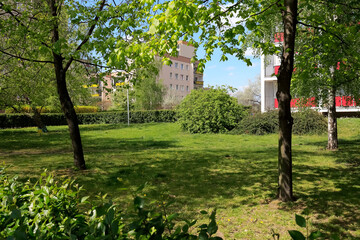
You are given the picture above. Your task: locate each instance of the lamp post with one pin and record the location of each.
(128, 109)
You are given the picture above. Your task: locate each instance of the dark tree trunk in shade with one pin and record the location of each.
(65, 101)
(289, 16)
(332, 122)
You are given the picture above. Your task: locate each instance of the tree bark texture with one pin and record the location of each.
(65, 100)
(289, 16)
(37, 119)
(332, 122)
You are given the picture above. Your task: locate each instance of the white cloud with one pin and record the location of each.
(230, 68)
(231, 74)
(249, 52)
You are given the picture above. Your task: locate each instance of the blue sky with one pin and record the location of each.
(233, 72)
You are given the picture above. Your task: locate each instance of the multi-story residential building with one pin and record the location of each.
(269, 68)
(181, 76)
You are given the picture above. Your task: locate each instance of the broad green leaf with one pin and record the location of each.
(300, 220)
(296, 235)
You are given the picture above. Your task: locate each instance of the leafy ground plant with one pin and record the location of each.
(53, 210)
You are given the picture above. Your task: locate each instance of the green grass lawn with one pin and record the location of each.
(235, 174)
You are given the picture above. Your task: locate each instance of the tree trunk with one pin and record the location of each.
(332, 123)
(37, 119)
(69, 112)
(65, 101)
(289, 16)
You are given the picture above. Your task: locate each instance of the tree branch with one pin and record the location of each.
(320, 28)
(25, 59)
(87, 37)
(238, 3)
(21, 23)
(91, 64)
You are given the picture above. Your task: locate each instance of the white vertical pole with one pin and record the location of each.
(128, 111)
(263, 99)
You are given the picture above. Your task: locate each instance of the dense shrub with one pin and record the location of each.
(53, 209)
(21, 120)
(209, 111)
(306, 121)
(258, 124)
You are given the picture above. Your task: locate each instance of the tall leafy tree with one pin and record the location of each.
(144, 89)
(232, 26)
(59, 33)
(328, 61)
(148, 89)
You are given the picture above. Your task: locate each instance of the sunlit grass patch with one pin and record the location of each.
(237, 174)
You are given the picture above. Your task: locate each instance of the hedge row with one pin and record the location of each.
(49, 109)
(53, 119)
(305, 122)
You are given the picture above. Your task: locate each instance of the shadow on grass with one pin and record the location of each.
(204, 176)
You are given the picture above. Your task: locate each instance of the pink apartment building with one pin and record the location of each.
(179, 78)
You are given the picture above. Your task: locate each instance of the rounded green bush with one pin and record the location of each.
(209, 111)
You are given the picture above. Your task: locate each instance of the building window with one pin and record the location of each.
(182, 66)
(176, 65)
(195, 79)
(187, 88)
(182, 87)
(171, 75)
(187, 78)
(170, 86)
(187, 67)
(181, 77)
(177, 87)
(176, 76)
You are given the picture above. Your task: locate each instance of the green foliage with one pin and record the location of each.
(209, 111)
(51, 209)
(50, 109)
(304, 223)
(306, 121)
(86, 109)
(258, 124)
(146, 93)
(53, 119)
(149, 93)
(328, 60)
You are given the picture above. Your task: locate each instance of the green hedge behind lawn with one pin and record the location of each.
(53, 119)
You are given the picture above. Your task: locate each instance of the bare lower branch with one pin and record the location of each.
(25, 59)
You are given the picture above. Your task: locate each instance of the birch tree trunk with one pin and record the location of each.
(332, 122)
